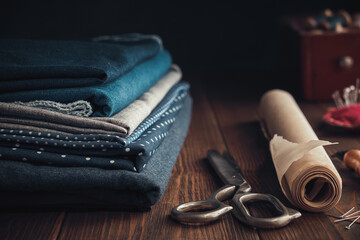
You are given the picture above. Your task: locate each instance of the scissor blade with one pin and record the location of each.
(227, 169)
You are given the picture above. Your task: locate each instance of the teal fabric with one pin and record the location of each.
(108, 98)
(27, 185)
(46, 64)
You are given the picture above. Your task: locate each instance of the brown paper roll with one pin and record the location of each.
(311, 183)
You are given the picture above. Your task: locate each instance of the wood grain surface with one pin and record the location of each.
(223, 121)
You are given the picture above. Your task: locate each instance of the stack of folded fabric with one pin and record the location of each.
(89, 123)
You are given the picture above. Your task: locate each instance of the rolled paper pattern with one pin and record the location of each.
(306, 174)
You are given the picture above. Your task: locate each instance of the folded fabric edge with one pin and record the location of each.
(155, 115)
(80, 108)
(37, 114)
(149, 71)
(141, 108)
(36, 125)
(103, 150)
(157, 175)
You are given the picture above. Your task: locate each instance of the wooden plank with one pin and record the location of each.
(239, 124)
(30, 225)
(351, 184)
(192, 179)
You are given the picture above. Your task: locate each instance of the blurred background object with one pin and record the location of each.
(238, 41)
(321, 52)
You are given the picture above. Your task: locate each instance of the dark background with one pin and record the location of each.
(222, 37)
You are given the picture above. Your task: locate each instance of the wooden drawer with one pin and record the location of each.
(321, 58)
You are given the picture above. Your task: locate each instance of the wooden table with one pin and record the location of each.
(223, 119)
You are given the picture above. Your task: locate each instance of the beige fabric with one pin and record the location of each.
(310, 182)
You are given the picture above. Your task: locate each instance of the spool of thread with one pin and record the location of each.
(335, 23)
(314, 22)
(352, 160)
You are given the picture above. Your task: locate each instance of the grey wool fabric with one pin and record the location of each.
(123, 123)
(78, 108)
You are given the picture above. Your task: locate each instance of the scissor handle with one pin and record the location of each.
(243, 214)
(204, 211)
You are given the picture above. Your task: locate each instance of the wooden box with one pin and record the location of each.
(328, 61)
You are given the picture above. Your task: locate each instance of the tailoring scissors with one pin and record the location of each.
(205, 211)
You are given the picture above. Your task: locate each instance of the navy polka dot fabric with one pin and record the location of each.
(97, 150)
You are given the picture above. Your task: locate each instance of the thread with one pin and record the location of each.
(314, 22)
(336, 22)
(352, 160)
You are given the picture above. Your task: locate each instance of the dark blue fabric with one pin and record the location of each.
(109, 98)
(167, 106)
(24, 184)
(46, 64)
(97, 150)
